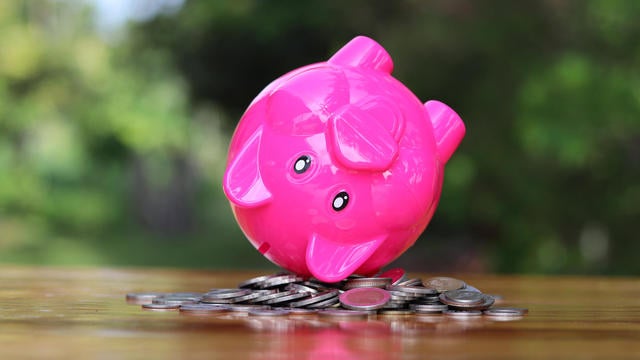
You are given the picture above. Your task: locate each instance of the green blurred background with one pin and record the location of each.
(115, 118)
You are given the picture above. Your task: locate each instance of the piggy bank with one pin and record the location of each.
(336, 168)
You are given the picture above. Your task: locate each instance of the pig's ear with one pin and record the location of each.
(358, 140)
(448, 128)
(363, 52)
(242, 182)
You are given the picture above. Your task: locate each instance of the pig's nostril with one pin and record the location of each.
(340, 201)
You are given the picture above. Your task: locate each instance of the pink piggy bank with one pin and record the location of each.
(336, 167)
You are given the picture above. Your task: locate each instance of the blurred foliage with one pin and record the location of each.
(112, 149)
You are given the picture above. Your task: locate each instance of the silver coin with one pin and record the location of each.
(315, 285)
(204, 308)
(344, 313)
(400, 296)
(400, 300)
(181, 296)
(300, 311)
(428, 301)
(324, 304)
(167, 301)
(160, 307)
(225, 293)
(251, 296)
(301, 288)
(412, 290)
(471, 288)
(398, 293)
(316, 298)
(506, 312)
(251, 283)
(247, 307)
(442, 284)
(504, 318)
(207, 300)
(486, 303)
(395, 305)
(461, 297)
(263, 299)
(265, 296)
(268, 312)
(279, 280)
(142, 297)
(291, 296)
(462, 313)
(367, 282)
(410, 282)
(434, 297)
(428, 308)
(364, 298)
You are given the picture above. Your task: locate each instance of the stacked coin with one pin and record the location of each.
(289, 294)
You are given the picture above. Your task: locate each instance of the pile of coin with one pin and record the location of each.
(390, 293)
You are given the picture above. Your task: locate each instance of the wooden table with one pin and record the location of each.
(82, 314)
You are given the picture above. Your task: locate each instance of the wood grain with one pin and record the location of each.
(82, 313)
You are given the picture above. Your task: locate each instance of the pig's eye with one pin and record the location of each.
(302, 164)
(340, 201)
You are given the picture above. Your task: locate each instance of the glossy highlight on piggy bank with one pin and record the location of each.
(336, 168)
